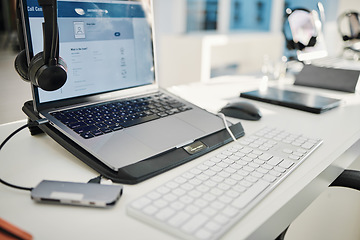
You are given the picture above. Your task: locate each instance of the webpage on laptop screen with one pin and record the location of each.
(106, 46)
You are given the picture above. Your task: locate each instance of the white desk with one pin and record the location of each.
(26, 160)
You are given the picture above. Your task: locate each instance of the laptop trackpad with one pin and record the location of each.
(165, 133)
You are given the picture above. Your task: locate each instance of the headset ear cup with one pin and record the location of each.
(47, 77)
(35, 64)
(312, 41)
(300, 46)
(53, 77)
(290, 44)
(21, 66)
(62, 63)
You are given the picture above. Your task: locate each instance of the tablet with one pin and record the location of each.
(302, 101)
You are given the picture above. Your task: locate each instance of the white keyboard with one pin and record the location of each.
(205, 201)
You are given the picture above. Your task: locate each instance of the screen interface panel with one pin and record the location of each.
(106, 45)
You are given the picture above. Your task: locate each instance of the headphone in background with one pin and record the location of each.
(290, 43)
(46, 69)
(354, 25)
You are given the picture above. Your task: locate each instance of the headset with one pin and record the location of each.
(46, 69)
(290, 43)
(354, 23)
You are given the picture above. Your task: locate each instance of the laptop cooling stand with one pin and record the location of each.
(141, 170)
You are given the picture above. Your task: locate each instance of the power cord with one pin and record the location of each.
(95, 179)
(227, 126)
(32, 124)
(29, 124)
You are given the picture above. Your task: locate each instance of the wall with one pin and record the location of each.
(187, 59)
(181, 57)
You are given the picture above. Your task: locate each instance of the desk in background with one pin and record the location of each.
(26, 160)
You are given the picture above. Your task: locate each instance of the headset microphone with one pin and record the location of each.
(46, 69)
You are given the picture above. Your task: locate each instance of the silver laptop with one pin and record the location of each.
(108, 48)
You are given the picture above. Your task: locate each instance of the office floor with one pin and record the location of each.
(333, 215)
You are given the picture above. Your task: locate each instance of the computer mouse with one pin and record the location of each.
(241, 110)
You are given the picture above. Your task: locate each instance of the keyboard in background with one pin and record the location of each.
(205, 201)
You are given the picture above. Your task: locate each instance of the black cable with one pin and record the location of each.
(95, 179)
(29, 125)
(36, 123)
(348, 178)
(282, 235)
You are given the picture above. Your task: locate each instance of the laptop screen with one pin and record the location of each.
(107, 46)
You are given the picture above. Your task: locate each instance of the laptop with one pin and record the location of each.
(109, 51)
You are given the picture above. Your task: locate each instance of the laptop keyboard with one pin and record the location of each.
(99, 119)
(207, 200)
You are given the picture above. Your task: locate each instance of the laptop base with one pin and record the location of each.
(139, 171)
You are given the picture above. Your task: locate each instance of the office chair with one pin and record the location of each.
(348, 178)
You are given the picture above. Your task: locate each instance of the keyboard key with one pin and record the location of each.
(274, 161)
(97, 132)
(307, 145)
(294, 157)
(150, 210)
(165, 213)
(115, 127)
(265, 156)
(85, 129)
(77, 125)
(140, 203)
(286, 164)
(139, 120)
(287, 150)
(212, 226)
(87, 135)
(250, 194)
(105, 130)
(269, 178)
(179, 219)
(194, 223)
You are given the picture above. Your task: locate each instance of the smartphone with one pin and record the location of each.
(72, 193)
